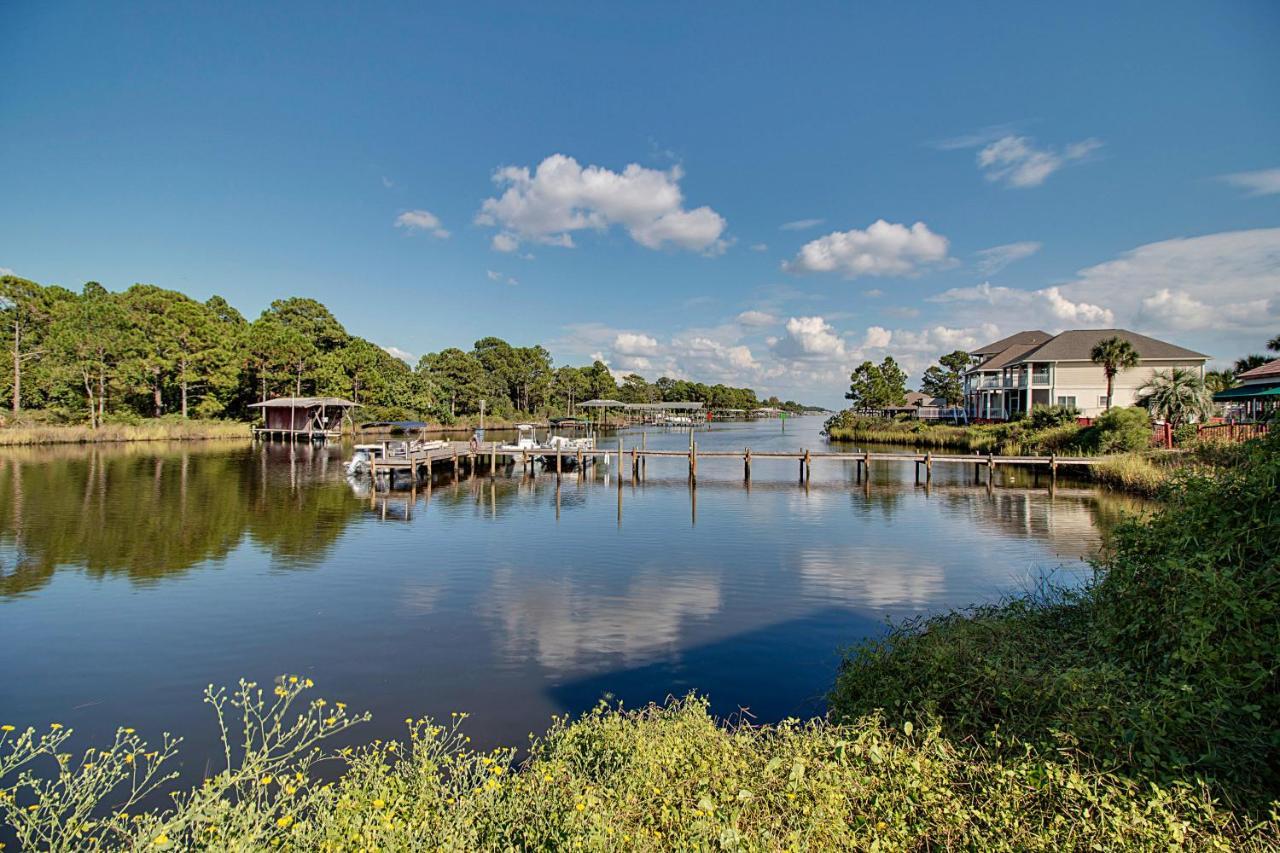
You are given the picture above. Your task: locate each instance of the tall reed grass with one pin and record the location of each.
(161, 430)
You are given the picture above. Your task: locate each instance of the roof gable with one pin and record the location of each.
(1034, 336)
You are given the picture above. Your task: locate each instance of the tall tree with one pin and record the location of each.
(1249, 362)
(946, 379)
(600, 382)
(1219, 380)
(1114, 354)
(24, 308)
(874, 386)
(1274, 344)
(90, 336)
(460, 376)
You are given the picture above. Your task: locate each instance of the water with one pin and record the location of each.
(132, 576)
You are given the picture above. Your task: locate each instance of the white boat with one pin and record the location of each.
(362, 456)
(569, 448)
(526, 442)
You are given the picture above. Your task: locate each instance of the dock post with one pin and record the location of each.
(644, 460)
(580, 464)
(1053, 471)
(635, 464)
(693, 461)
(866, 466)
(916, 466)
(746, 465)
(928, 466)
(493, 459)
(455, 464)
(991, 470)
(559, 457)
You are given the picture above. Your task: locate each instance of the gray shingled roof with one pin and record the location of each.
(1021, 338)
(303, 403)
(1008, 356)
(1076, 344)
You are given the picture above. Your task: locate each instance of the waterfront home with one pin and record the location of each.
(1258, 393)
(1034, 368)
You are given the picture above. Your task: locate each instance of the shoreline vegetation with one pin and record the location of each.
(147, 355)
(1142, 712)
(1122, 436)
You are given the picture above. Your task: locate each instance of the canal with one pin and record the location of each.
(131, 576)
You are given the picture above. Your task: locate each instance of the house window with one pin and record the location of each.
(1103, 401)
(1067, 402)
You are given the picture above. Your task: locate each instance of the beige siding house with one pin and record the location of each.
(1037, 369)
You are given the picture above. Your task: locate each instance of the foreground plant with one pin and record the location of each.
(659, 778)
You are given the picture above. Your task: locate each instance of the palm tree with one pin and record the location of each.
(1176, 395)
(1249, 362)
(1219, 380)
(1274, 344)
(1114, 354)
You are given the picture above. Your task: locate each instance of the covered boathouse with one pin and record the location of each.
(302, 418)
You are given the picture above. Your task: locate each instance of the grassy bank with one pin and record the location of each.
(157, 430)
(1164, 670)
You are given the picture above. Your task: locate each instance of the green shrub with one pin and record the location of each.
(1043, 417)
(1165, 668)
(1185, 435)
(1120, 430)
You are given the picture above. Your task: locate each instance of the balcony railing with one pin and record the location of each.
(1040, 376)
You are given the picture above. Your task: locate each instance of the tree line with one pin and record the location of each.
(100, 355)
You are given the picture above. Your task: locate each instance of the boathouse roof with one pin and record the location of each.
(304, 403)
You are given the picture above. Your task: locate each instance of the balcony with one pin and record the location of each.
(1040, 376)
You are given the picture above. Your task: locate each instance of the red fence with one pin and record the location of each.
(1230, 431)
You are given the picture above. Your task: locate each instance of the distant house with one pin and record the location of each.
(1034, 368)
(1258, 392)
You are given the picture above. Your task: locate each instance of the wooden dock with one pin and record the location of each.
(458, 457)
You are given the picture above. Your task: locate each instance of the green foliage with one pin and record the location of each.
(1185, 435)
(1043, 417)
(1114, 354)
(1119, 431)
(874, 386)
(946, 379)
(1164, 668)
(1177, 395)
(660, 778)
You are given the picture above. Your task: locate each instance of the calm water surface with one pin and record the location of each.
(132, 576)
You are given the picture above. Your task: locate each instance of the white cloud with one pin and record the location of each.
(387, 182)
(1047, 307)
(877, 337)
(884, 249)
(809, 338)
(991, 261)
(759, 247)
(873, 293)
(1261, 182)
(494, 275)
(421, 220)
(6, 271)
(1017, 162)
(561, 197)
(801, 224)
(1219, 284)
(633, 344)
(404, 355)
(504, 243)
(756, 318)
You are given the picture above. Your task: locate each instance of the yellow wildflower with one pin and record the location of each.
(378, 803)
(128, 731)
(161, 839)
(284, 822)
(342, 706)
(309, 683)
(293, 679)
(55, 726)
(265, 780)
(6, 728)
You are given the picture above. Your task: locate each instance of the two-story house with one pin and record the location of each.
(1037, 369)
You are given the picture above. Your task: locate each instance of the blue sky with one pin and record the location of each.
(691, 189)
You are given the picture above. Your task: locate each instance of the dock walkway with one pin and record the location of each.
(460, 456)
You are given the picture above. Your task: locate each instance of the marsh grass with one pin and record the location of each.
(157, 430)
